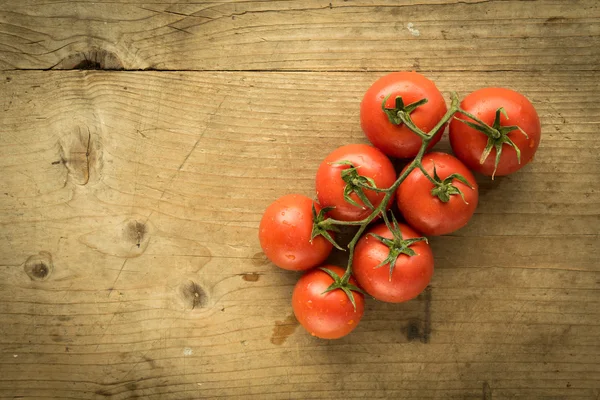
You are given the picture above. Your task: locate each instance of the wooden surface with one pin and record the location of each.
(129, 203)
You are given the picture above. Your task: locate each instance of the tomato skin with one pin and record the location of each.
(285, 231)
(397, 140)
(410, 276)
(427, 213)
(330, 315)
(468, 144)
(330, 187)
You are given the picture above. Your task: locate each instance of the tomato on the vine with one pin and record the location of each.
(441, 208)
(328, 315)
(494, 131)
(285, 233)
(384, 128)
(511, 123)
(344, 177)
(392, 268)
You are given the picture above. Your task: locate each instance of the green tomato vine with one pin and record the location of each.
(443, 189)
(356, 184)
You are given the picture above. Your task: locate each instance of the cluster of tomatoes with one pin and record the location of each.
(493, 131)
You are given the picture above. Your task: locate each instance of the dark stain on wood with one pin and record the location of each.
(259, 259)
(487, 391)
(56, 338)
(283, 329)
(150, 361)
(420, 328)
(250, 276)
(412, 330)
(103, 392)
(193, 295)
(427, 320)
(554, 20)
(486, 185)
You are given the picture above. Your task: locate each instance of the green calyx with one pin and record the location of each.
(444, 189)
(342, 284)
(497, 136)
(356, 183)
(322, 227)
(397, 244)
(400, 114)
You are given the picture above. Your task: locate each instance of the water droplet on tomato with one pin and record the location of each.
(350, 322)
(290, 256)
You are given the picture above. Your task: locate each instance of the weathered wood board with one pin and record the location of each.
(342, 35)
(129, 203)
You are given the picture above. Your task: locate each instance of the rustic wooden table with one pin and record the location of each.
(129, 260)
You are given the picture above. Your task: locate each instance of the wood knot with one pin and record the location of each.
(81, 154)
(193, 295)
(135, 232)
(127, 239)
(94, 59)
(40, 270)
(39, 266)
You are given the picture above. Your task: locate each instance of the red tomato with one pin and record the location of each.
(370, 163)
(398, 140)
(410, 275)
(328, 315)
(424, 210)
(285, 230)
(468, 144)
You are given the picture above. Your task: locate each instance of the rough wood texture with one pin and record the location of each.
(432, 35)
(129, 202)
(155, 284)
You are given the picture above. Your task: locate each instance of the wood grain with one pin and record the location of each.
(130, 266)
(129, 202)
(307, 35)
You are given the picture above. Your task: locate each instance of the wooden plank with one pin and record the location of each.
(130, 265)
(341, 35)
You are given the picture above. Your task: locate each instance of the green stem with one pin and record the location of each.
(331, 221)
(375, 189)
(473, 117)
(428, 176)
(389, 192)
